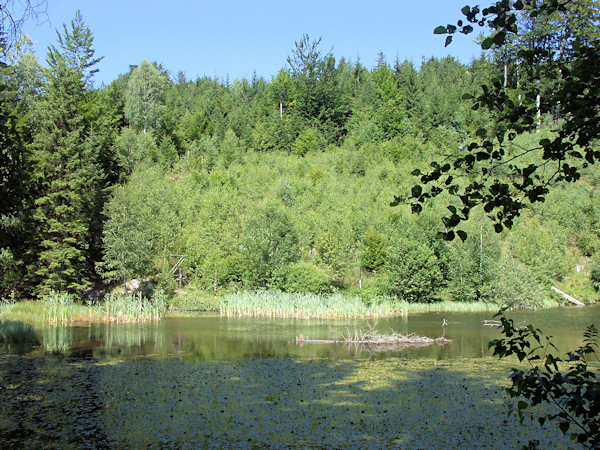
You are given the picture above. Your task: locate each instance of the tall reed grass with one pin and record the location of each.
(133, 307)
(280, 304)
(60, 307)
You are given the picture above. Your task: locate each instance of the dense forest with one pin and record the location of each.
(283, 184)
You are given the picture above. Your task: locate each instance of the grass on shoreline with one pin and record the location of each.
(60, 308)
(133, 307)
(279, 304)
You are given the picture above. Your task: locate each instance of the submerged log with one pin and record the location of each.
(568, 297)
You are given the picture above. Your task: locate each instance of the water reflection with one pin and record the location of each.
(207, 338)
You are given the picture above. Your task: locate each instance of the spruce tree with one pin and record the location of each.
(67, 172)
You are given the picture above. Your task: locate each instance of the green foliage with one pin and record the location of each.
(58, 307)
(373, 250)
(269, 244)
(595, 273)
(306, 277)
(133, 148)
(269, 184)
(516, 285)
(127, 243)
(67, 173)
(542, 247)
(556, 75)
(309, 140)
(144, 97)
(133, 307)
(279, 304)
(571, 393)
(413, 271)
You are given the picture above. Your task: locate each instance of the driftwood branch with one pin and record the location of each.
(568, 297)
(378, 339)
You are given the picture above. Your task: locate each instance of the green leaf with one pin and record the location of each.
(564, 427)
(416, 191)
(448, 41)
(448, 235)
(462, 235)
(440, 30)
(487, 43)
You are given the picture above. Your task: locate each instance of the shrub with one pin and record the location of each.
(372, 250)
(413, 270)
(269, 244)
(310, 140)
(516, 285)
(306, 277)
(595, 273)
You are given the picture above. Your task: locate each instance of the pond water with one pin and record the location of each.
(215, 338)
(214, 382)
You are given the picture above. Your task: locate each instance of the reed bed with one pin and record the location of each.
(60, 308)
(310, 306)
(306, 306)
(133, 307)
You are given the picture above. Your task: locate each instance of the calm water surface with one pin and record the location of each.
(210, 337)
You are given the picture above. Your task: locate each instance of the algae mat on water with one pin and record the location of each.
(53, 401)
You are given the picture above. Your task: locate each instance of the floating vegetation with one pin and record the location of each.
(284, 403)
(305, 306)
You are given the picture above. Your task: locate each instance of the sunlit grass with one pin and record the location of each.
(60, 308)
(308, 306)
(133, 307)
(279, 304)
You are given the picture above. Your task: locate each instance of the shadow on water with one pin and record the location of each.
(278, 402)
(236, 382)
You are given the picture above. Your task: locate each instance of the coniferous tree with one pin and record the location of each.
(67, 173)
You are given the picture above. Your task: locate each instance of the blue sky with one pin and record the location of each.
(235, 38)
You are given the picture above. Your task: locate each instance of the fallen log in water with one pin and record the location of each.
(568, 297)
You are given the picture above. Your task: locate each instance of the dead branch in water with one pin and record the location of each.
(374, 339)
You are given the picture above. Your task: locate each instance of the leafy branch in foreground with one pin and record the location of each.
(550, 55)
(573, 393)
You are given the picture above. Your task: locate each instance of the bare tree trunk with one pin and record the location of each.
(538, 104)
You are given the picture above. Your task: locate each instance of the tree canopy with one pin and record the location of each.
(553, 48)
